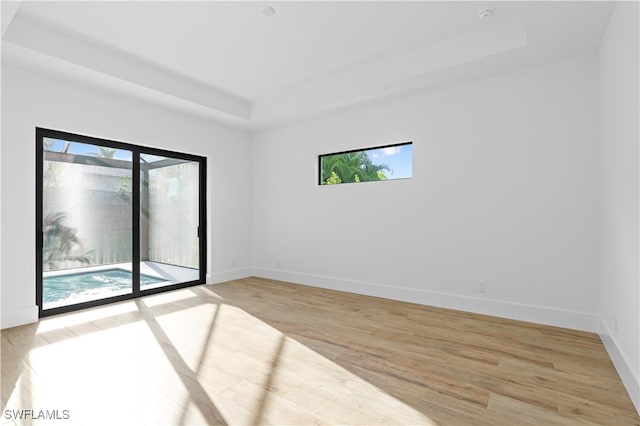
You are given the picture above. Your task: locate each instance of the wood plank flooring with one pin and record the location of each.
(257, 351)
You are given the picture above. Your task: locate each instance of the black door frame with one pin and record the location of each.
(136, 150)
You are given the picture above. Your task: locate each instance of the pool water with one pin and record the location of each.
(76, 288)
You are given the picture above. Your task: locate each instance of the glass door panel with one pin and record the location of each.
(86, 222)
(169, 221)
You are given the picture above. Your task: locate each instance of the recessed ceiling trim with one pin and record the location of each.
(224, 59)
(378, 76)
(32, 33)
(27, 60)
(8, 9)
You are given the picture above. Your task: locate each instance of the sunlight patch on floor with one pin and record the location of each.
(239, 377)
(102, 313)
(146, 361)
(168, 297)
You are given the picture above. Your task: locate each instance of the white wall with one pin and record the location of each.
(619, 297)
(511, 187)
(31, 99)
(505, 191)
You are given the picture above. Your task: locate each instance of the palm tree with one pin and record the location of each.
(351, 167)
(104, 152)
(60, 242)
(47, 144)
(370, 171)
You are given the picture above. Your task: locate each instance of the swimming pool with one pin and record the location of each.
(85, 286)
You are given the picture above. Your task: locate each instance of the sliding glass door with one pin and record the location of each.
(169, 219)
(115, 221)
(86, 222)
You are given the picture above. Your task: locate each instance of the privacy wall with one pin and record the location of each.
(504, 193)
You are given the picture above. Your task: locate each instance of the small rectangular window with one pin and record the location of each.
(386, 162)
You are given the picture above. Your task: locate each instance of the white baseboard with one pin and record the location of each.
(625, 369)
(228, 275)
(19, 316)
(517, 311)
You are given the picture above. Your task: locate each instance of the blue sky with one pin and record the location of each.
(398, 158)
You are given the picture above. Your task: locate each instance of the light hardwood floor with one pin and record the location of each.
(257, 351)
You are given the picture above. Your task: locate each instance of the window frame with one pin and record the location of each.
(320, 156)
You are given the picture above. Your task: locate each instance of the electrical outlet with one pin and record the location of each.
(233, 262)
(278, 264)
(481, 287)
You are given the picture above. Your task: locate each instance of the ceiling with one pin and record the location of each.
(228, 61)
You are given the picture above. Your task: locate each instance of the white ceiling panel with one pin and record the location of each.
(308, 56)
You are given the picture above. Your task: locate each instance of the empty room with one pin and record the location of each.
(329, 212)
